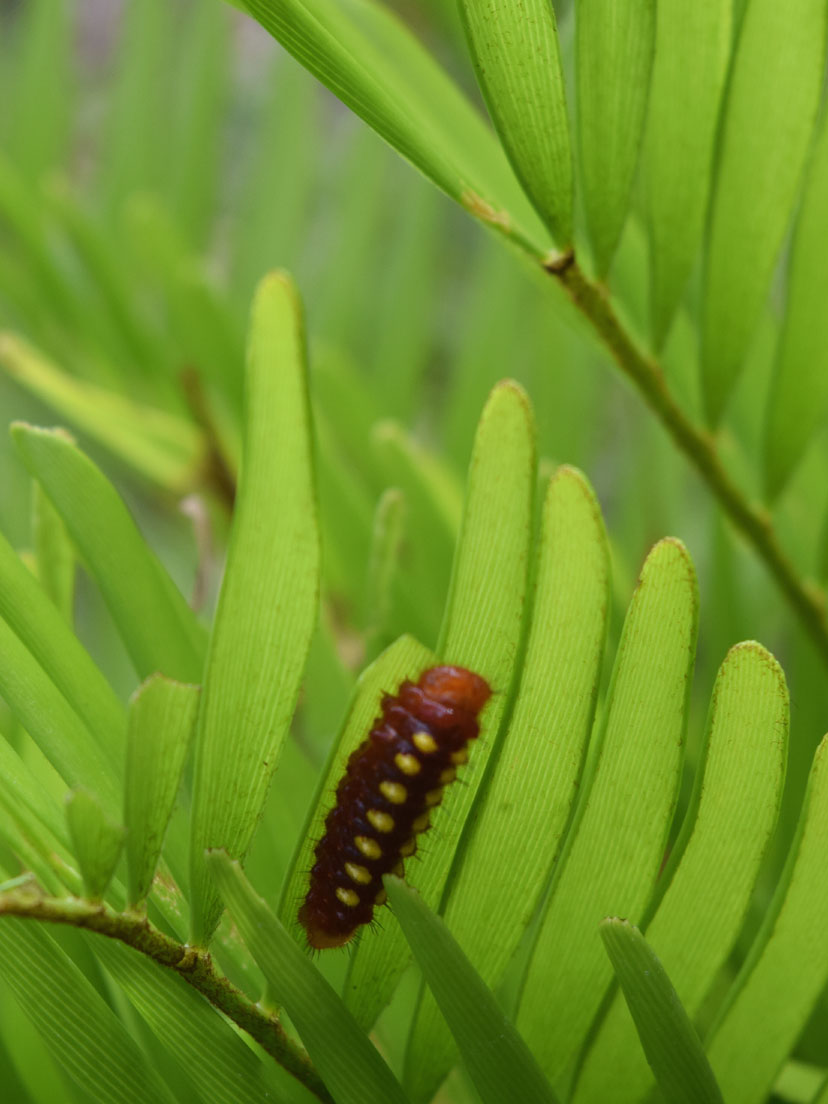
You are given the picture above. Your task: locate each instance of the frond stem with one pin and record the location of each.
(195, 966)
(753, 521)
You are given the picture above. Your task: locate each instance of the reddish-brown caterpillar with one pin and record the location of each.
(391, 783)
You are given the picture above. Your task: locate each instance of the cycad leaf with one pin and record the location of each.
(613, 56)
(616, 843)
(497, 1059)
(267, 608)
(434, 506)
(346, 1059)
(218, 1061)
(78, 1027)
(519, 826)
(481, 631)
(23, 787)
(40, 111)
(787, 968)
(517, 58)
(288, 127)
(773, 92)
(157, 626)
(97, 841)
(668, 1038)
(44, 632)
(52, 723)
(383, 565)
(158, 445)
(202, 76)
(54, 555)
(732, 816)
(691, 56)
(161, 720)
(798, 398)
(366, 57)
(36, 818)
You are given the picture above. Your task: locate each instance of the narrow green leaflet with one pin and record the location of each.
(691, 55)
(383, 565)
(54, 555)
(32, 819)
(614, 43)
(801, 1081)
(364, 55)
(162, 717)
(202, 71)
(668, 1038)
(267, 608)
(787, 967)
(26, 607)
(344, 516)
(351, 1068)
(421, 474)
(216, 1058)
(160, 446)
(80, 1030)
(520, 823)
(434, 506)
(40, 112)
(773, 92)
(481, 631)
(497, 1059)
(157, 626)
(52, 723)
(97, 842)
(289, 128)
(715, 861)
(617, 840)
(21, 786)
(518, 63)
(135, 343)
(798, 398)
(405, 308)
(23, 217)
(134, 149)
(406, 658)
(32, 1062)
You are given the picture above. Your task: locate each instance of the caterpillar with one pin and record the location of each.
(384, 800)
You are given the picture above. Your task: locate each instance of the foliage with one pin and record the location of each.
(333, 546)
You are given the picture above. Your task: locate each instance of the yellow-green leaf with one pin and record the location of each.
(267, 608)
(518, 63)
(613, 56)
(774, 89)
(162, 716)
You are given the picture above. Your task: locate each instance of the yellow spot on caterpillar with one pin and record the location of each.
(369, 847)
(383, 822)
(460, 757)
(357, 873)
(425, 742)
(448, 775)
(347, 896)
(398, 869)
(422, 822)
(381, 897)
(407, 763)
(434, 797)
(408, 848)
(394, 791)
